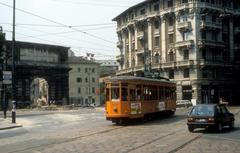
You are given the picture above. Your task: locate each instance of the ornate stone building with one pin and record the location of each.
(192, 42)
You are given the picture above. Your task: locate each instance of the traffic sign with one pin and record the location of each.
(7, 77)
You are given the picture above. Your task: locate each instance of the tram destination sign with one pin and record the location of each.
(7, 77)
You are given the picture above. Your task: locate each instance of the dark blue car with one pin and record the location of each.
(210, 116)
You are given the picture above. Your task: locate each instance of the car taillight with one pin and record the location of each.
(190, 119)
(211, 119)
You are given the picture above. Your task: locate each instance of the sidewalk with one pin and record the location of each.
(7, 124)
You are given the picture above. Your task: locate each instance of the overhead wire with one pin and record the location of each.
(59, 35)
(87, 3)
(54, 26)
(66, 32)
(59, 23)
(61, 44)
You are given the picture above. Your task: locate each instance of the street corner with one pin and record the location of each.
(7, 124)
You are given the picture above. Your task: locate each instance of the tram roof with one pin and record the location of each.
(134, 78)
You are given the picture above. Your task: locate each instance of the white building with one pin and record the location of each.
(192, 42)
(83, 82)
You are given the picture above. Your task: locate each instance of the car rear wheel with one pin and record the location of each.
(219, 127)
(190, 128)
(232, 124)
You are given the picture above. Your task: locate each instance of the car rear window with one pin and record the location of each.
(203, 110)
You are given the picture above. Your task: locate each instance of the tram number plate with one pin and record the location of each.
(135, 108)
(161, 105)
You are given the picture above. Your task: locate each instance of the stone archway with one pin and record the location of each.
(39, 92)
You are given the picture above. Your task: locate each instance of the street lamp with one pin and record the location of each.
(13, 66)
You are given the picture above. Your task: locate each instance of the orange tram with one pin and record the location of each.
(130, 97)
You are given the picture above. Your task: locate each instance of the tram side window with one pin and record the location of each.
(115, 94)
(167, 93)
(149, 93)
(155, 91)
(124, 94)
(161, 93)
(145, 93)
(133, 95)
(139, 92)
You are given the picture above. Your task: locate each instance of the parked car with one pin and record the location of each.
(209, 116)
(184, 103)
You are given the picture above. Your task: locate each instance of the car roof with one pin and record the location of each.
(210, 105)
(206, 104)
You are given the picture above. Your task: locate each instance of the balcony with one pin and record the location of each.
(208, 62)
(170, 28)
(140, 35)
(171, 64)
(183, 6)
(236, 30)
(153, 14)
(140, 67)
(208, 6)
(156, 65)
(119, 44)
(185, 63)
(211, 25)
(182, 26)
(141, 17)
(212, 43)
(140, 51)
(167, 10)
(156, 32)
(119, 58)
(184, 44)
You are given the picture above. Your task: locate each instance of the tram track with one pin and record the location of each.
(67, 140)
(103, 130)
(150, 142)
(162, 137)
(185, 144)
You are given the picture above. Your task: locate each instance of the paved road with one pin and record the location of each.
(87, 130)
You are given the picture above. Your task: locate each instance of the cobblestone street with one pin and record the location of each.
(92, 133)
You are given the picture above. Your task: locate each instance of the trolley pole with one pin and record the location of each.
(13, 66)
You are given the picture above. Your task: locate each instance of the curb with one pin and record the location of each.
(10, 127)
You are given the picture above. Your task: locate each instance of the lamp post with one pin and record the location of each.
(13, 66)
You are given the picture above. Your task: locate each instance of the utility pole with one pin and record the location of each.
(13, 66)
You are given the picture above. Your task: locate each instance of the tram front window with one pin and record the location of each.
(115, 94)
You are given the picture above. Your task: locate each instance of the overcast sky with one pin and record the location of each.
(49, 21)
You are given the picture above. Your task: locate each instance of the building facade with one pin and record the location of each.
(107, 69)
(84, 82)
(192, 42)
